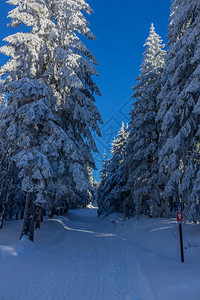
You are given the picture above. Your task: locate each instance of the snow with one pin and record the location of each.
(79, 256)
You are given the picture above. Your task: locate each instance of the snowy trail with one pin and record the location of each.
(84, 260)
(82, 257)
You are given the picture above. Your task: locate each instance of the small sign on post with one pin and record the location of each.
(179, 216)
(180, 219)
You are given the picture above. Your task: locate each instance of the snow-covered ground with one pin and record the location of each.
(80, 256)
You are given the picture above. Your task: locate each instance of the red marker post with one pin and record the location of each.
(180, 220)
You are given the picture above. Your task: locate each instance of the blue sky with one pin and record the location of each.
(121, 27)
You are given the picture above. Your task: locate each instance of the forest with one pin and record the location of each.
(48, 117)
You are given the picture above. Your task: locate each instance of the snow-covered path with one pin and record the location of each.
(80, 256)
(83, 260)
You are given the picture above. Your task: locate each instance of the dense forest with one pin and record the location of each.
(48, 116)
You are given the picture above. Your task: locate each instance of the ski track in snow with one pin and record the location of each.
(84, 260)
(82, 257)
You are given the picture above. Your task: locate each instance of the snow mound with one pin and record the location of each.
(22, 248)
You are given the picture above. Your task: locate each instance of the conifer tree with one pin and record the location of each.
(142, 150)
(90, 193)
(110, 190)
(179, 111)
(2, 102)
(51, 109)
(104, 168)
(90, 177)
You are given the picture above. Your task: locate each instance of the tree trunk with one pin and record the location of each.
(127, 208)
(51, 213)
(10, 213)
(2, 215)
(21, 214)
(38, 215)
(66, 208)
(42, 215)
(28, 225)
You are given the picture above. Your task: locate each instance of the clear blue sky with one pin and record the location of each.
(121, 27)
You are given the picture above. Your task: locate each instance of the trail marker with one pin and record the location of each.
(180, 219)
(179, 216)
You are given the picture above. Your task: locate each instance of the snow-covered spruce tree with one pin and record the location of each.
(51, 108)
(110, 190)
(104, 167)
(90, 193)
(142, 150)
(90, 177)
(2, 102)
(11, 195)
(180, 110)
(5, 180)
(103, 173)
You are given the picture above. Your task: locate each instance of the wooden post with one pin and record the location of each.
(181, 242)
